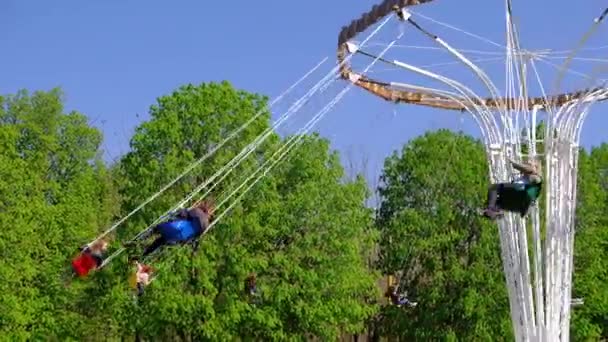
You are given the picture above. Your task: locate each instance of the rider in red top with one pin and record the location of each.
(90, 258)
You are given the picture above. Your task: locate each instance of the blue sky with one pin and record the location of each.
(113, 58)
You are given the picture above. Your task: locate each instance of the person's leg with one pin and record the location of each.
(98, 260)
(395, 299)
(492, 196)
(140, 289)
(160, 241)
(195, 243)
(524, 206)
(492, 210)
(510, 197)
(154, 230)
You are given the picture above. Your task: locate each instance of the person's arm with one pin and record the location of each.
(524, 167)
(195, 245)
(202, 217)
(181, 213)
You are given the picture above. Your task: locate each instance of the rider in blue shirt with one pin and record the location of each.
(185, 226)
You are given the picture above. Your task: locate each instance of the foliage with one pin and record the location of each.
(590, 321)
(184, 127)
(431, 231)
(303, 229)
(55, 194)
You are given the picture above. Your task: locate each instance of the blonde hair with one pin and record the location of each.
(99, 246)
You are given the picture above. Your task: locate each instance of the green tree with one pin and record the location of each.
(302, 230)
(55, 195)
(185, 126)
(448, 257)
(590, 321)
(313, 238)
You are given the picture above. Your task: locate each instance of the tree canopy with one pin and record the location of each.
(448, 257)
(590, 321)
(304, 230)
(55, 193)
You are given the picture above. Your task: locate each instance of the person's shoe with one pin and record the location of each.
(492, 213)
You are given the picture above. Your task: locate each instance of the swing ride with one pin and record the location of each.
(540, 285)
(84, 263)
(209, 184)
(539, 289)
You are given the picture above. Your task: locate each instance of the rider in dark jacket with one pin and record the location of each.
(518, 195)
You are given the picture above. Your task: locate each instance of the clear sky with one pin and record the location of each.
(114, 57)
